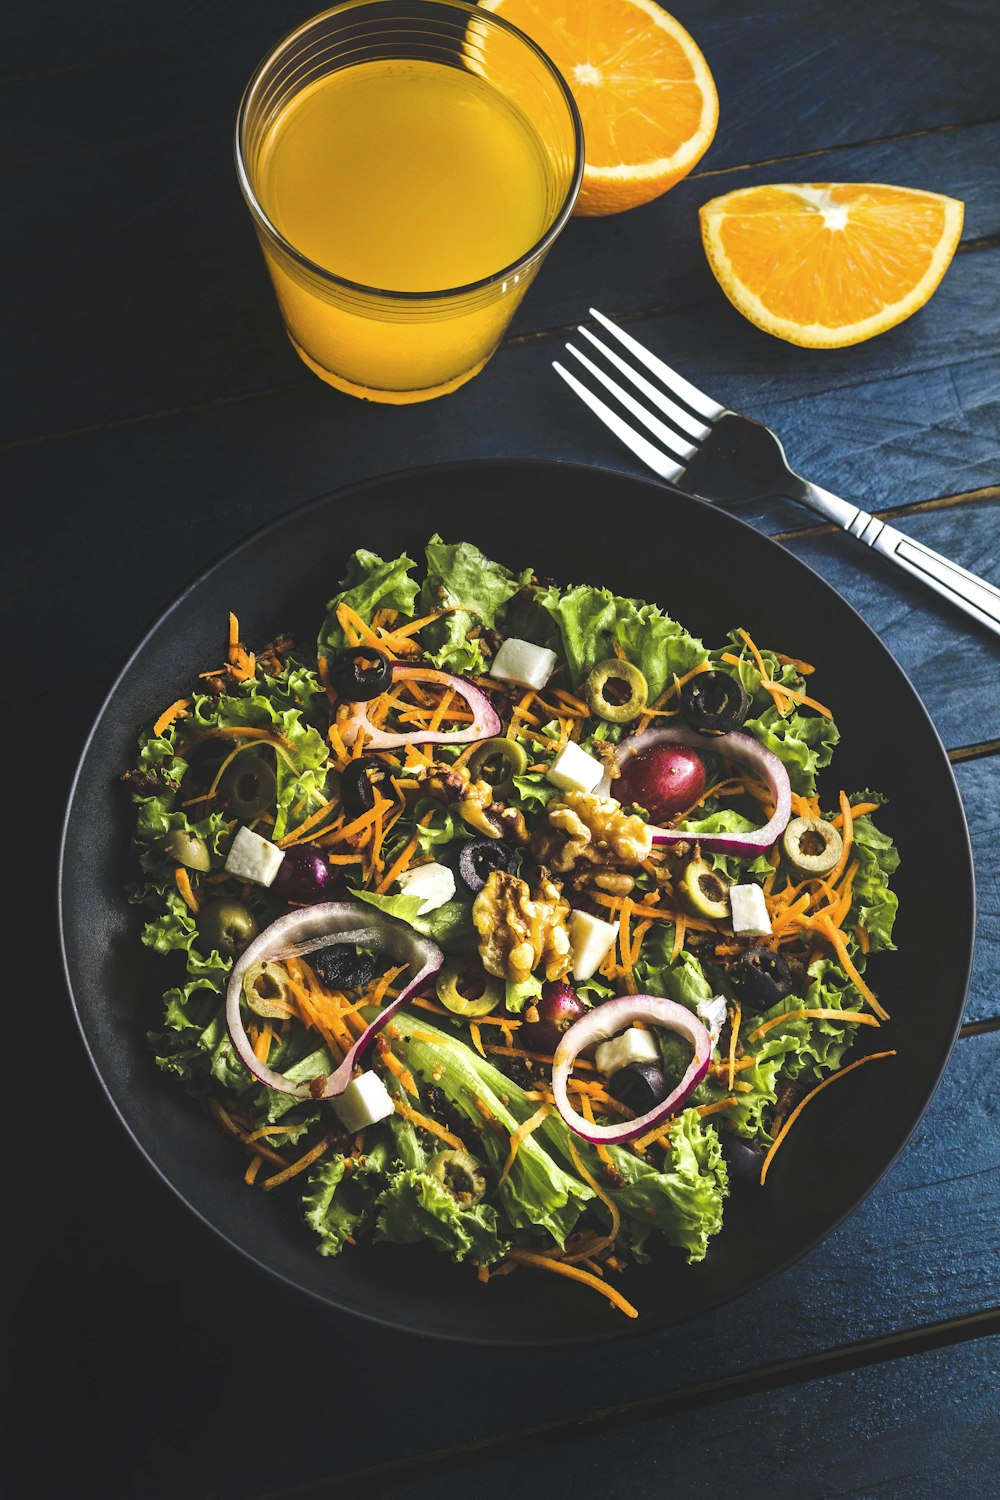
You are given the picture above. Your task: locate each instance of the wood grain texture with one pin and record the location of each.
(904, 1429)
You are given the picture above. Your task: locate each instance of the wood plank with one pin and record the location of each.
(979, 785)
(952, 662)
(209, 327)
(907, 1429)
(820, 75)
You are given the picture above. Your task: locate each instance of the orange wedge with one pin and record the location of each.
(825, 264)
(644, 91)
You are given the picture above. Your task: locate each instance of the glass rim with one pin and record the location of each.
(515, 267)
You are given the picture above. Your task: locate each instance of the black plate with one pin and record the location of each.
(712, 572)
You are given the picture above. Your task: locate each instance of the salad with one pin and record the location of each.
(508, 916)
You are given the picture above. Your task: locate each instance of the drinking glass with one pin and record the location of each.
(427, 136)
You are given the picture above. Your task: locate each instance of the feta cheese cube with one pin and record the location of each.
(749, 909)
(521, 662)
(573, 770)
(433, 883)
(252, 858)
(713, 1013)
(364, 1101)
(632, 1046)
(590, 940)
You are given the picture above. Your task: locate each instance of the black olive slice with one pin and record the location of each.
(360, 674)
(639, 1086)
(344, 967)
(714, 702)
(760, 978)
(358, 782)
(480, 857)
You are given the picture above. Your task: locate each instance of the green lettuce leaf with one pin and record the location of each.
(449, 925)
(874, 905)
(458, 573)
(804, 744)
(590, 621)
(370, 583)
(415, 1206)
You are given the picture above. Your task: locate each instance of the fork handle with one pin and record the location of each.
(970, 593)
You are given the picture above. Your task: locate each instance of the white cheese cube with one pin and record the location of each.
(433, 883)
(632, 1046)
(252, 858)
(364, 1101)
(749, 909)
(590, 940)
(521, 662)
(573, 770)
(713, 1013)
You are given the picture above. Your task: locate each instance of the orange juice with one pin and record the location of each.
(408, 177)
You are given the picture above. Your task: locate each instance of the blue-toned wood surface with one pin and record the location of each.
(157, 414)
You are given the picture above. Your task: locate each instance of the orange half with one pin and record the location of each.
(644, 91)
(825, 264)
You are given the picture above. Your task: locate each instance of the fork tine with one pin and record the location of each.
(671, 440)
(640, 446)
(688, 393)
(680, 418)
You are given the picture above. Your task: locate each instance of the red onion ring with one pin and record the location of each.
(607, 1020)
(305, 930)
(485, 722)
(736, 746)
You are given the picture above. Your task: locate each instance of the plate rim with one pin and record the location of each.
(422, 472)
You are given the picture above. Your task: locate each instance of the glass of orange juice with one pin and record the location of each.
(407, 166)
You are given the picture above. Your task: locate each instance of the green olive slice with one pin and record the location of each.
(811, 847)
(188, 849)
(460, 1173)
(466, 991)
(267, 991)
(248, 786)
(703, 890)
(227, 926)
(512, 762)
(616, 691)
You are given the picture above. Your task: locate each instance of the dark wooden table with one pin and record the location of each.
(155, 415)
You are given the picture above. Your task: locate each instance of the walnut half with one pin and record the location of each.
(595, 830)
(519, 931)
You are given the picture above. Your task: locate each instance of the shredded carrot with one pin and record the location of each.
(857, 811)
(862, 938)
(804, 668)
(777, 692)
(640, 933)
(262, 1045)
(520, 1135)
(609, 1203)
(680, 928)
(818, 1013)
(713, 1109)
(308, 823)
(848, 838)
(587, 1110)
(578, 1062)
(170, 714)
(805, 807)
(547, 1263)
(872, 1057)
(183, 882)
(416, 1118)
(477, 1038)
(733, 1035)
(840, 945)
(625, 944)
(400, 863)
(402, 1074)
(256, 1162)
(658, 1135)
(224, 1119)
(299, 1166)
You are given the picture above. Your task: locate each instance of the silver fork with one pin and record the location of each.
(719, 455)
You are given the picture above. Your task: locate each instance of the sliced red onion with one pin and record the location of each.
(485, 722)
(606, 1021)
(305, 930)
(736, 746)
